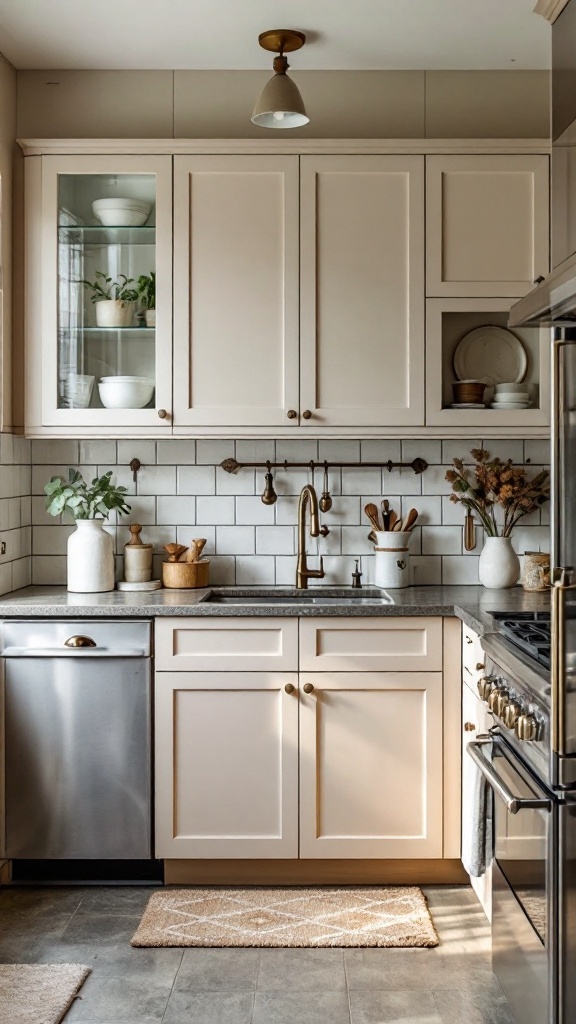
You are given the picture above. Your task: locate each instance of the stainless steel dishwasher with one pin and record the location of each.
(78, 736)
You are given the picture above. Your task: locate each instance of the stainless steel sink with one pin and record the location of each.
(292, 596)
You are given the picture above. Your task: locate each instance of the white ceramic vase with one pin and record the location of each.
(498, 566)
(90, 558)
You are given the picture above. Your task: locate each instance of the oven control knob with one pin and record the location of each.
(527, 727)
(485, 685)
(511, 714)
(496, 699)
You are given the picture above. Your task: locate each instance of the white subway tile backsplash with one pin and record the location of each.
(441, 540)
(218, 511)
(255, 570)
(182, 492)
(508, 448)
(275, 540)
(235, 540)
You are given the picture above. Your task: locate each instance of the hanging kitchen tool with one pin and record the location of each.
(325, 503)
(269, 496)
(469, 532)
(371, 511)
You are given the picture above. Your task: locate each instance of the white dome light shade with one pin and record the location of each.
(280, 105)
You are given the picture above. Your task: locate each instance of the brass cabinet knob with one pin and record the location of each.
(163, 414)
(80, 641)
(307, 415)
(526, 727)
(511, 714)
(291, 414)
(289, 688)
(469, 727)
(480, 667)
(308, 688)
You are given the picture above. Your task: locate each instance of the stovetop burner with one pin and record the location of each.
(530, 632)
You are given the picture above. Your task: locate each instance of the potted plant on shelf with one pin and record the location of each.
(146, 286)
(499, 495)
(114, 301)
(90, 567)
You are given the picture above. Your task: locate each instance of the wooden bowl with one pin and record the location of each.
(469, 391)
(186, 575)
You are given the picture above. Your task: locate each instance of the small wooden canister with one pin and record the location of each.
(186, 575)
(137, 558)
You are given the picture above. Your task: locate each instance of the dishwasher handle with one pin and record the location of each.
(80, 641)
(513, 803)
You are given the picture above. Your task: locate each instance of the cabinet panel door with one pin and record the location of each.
(226, 764)
(235, 290)
(371, 765)
(362, 320)
(486, 224)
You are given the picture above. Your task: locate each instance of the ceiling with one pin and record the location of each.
(212, 34)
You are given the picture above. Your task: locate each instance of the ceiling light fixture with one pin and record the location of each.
(280, 104)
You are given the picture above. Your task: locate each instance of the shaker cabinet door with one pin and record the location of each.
(371, 764)
(486, 224)
(235, 291)
(362, 289)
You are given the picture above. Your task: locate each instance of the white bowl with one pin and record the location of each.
(131, 213)
(126, 380)
(121, 394)
(509, 405)
(511, 396)
(519, 389)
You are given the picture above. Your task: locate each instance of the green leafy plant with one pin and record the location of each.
(492, 484)
(105, 288)
(84, 501)
(146, 286)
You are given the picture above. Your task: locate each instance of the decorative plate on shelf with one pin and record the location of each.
(491, 354)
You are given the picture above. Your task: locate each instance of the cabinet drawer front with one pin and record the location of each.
(371, 645)
(220, 645)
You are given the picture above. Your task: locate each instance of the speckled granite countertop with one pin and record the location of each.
(473, 605)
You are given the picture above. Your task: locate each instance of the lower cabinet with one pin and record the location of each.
(226, 764)
(318, 765)
(371, 764)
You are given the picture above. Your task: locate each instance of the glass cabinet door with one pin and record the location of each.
(108, 223)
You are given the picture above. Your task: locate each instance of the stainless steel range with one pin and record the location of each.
(534, 823)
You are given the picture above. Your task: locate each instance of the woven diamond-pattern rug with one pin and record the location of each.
(295, 916)
(38, 993)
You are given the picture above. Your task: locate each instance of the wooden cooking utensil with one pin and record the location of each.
(195, 550)
(372, 537)
(385, 506)
(371, 511)
(392, 520)
(409, 520)
(174, 551)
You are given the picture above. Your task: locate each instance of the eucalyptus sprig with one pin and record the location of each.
(105, 288)
(85, 501)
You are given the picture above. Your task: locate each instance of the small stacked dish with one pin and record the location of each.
(121, 213)
(511, 396)
(125, 392)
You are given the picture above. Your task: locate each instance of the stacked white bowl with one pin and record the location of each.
(125, 392)
(511, 396)
(123, 213)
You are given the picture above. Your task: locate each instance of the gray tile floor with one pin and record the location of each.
(452, 984)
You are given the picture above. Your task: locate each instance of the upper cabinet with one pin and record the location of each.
(98, 264)
(487, 224)
(235, 291)
(290, 290)
(362, 288)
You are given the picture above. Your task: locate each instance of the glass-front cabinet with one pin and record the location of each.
(106, 310)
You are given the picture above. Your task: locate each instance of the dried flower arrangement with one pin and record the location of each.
(496, 484)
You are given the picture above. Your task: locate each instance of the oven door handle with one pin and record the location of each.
(513, 803)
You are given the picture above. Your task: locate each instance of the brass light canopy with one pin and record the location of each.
(280, 104)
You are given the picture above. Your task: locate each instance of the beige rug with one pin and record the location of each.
(342, 916)
(38, 993)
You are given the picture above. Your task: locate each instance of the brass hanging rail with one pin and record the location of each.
(232, 466)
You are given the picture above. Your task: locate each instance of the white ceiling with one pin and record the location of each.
(210, 34)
